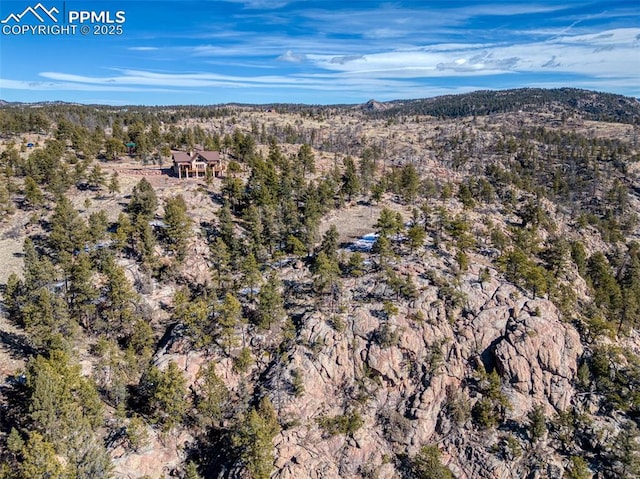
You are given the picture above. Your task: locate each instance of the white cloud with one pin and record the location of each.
(74, 86)
(292, 57)
(580, 54)
(143, 49)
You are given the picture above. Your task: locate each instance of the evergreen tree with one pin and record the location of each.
(32, 194)
(416, 235)
(68, 231)
(388, 223)
(251, 274)
(270, 303)
(46, 319)
(61, 402)
(211, 395)
(118, 306)
(350, 181)
(194, 314)
(606, 289)
(326, 273)
(306, 159)
(178, 226)
(427, 464)
(144, 241)
(329, 244)
(220, 263)
(123, 232)
(98, 224)
(39, 459)
(6, 205)
(97, 177)
(38, 269)
(409, 183)
(143, 201)
(537, 426)
(165, 393)
(114, 183)
(228, 320)
(255, 439)
(226, 228)
(81, 292)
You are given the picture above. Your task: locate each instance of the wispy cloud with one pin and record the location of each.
(330, 49)
(290, 56)
(75, 86)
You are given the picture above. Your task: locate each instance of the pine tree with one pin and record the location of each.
(118, 307)
(6, 205)
(387, 223)
(97, 178)
(81, 293)
(329, 243)
(326, 273)
(409, 183)
(306, 159)
(350, 180)
(143, 201)
(255, 439)
(220, 263)
(537, 426)
(144, 241)
(39, 459)
(61, 402)
(98, 224)
(68, 231)
(228, 319)
(270, 304)
(427, 464)
(226, 228)
(114, 183)
(251, 274)
(38, 269)
(165, 393)
(46, 319)
(32, 194)
(178, 226)
(211, 395)
(416, 235)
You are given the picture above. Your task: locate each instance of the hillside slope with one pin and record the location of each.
(411, 291)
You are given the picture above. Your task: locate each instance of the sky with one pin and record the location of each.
(166, 52)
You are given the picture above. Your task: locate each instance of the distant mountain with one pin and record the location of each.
(589, 104)
(373, 105)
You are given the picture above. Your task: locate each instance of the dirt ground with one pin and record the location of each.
(356, 221)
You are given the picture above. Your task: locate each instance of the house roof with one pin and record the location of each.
(181, 157)
(209, 156)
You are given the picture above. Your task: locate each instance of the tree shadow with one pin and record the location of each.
(18, 346)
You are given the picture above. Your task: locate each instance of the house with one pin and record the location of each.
(196, 163)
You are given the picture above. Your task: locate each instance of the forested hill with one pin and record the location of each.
(591, 105)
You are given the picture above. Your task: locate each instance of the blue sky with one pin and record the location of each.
(318, 52)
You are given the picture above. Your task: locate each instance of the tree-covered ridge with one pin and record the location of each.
(591, 105)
